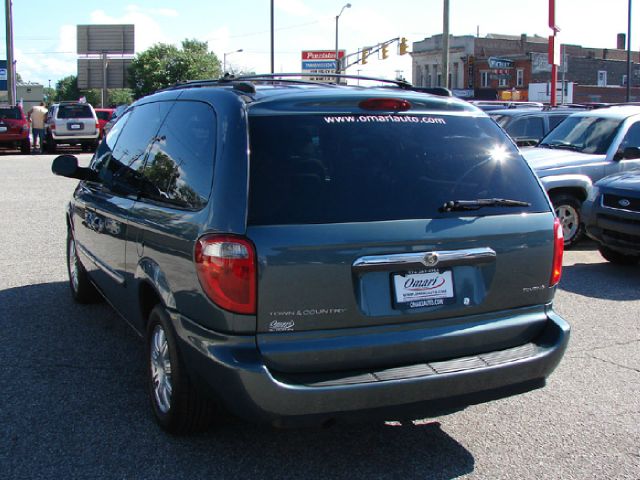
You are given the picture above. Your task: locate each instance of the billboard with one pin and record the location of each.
(319, 62)
(90, 73)
(101, 39)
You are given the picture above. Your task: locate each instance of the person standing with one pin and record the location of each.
(37, 116)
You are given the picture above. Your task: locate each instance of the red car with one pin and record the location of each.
(104, 115)
(14, 129)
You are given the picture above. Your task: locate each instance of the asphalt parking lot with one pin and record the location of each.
(72, 400)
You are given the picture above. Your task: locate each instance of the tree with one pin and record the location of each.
(67, 88)
(120, 96)
(163, 65)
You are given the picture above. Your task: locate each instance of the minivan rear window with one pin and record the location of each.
(75, 111)
(11, 113)
(362, 168)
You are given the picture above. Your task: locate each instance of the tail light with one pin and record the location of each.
(97, 126)
(226, 267)
(53, 126)
(558, 251)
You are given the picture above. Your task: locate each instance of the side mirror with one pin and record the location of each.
(67, 166)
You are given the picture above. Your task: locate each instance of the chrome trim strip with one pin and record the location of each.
(119, 279)
(424, 259)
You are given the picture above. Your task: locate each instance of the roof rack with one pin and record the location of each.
(246, 83)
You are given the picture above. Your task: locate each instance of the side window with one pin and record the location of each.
(180, 161)
(632, 138)
(128, 153)
(554, 120)
(105, 149)
(528, 127)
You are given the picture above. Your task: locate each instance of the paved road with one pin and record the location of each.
(72, 403)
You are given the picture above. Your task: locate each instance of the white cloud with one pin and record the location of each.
(147, 29)
(165, 12)
(296, 8)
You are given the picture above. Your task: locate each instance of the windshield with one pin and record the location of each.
(583, 134)
(344, 168)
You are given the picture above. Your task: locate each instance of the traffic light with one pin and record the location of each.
(403, 46)
(365, 55)
(385, 51)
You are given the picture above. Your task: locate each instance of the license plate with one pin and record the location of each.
(3, 129)
(75, 126)
(423, 289)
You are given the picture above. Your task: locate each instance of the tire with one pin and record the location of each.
(617, 257)
(568, 210)
(50, 145)
(82, 290)
(177, 406)
(25, 146)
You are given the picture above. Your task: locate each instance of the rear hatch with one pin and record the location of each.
(347, 214)
(12, 122)
(76, 119)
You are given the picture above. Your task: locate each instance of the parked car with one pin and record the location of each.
(71, 123)
(14, 129)
(104, 115)
(585, 147)
(117, 113)
(491, 105)
(528, 126)
(612, 217)
(301, 252)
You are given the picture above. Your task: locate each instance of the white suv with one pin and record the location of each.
(71, 123)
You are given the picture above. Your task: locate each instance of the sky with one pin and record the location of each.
(45, 31)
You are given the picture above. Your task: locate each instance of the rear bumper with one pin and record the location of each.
(80, 137)
(232, 367)
(13, 138)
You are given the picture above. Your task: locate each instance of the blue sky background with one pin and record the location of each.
(45, 31)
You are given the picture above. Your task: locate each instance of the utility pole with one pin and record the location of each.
(272, 56)
(11, 72)
(445, 45)
(629, 53)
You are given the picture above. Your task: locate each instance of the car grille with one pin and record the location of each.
(622, 220)
(623, 237)
(613, 201)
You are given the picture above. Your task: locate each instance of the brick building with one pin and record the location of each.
(503, 66)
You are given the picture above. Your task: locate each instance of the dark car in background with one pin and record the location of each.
(527, 126)
(301, 252)
(14, 129)
(612, 217)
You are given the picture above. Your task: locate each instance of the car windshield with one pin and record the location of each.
(10, 113)
(75, 111)
(343, 168)
(583, 134)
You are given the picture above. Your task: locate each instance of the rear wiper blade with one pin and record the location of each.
(455, 205)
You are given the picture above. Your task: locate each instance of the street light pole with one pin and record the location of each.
(629, 53)
(445, 45)
(338, 66)
(224, 60)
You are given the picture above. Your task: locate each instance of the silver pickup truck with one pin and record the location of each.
(585, 147)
